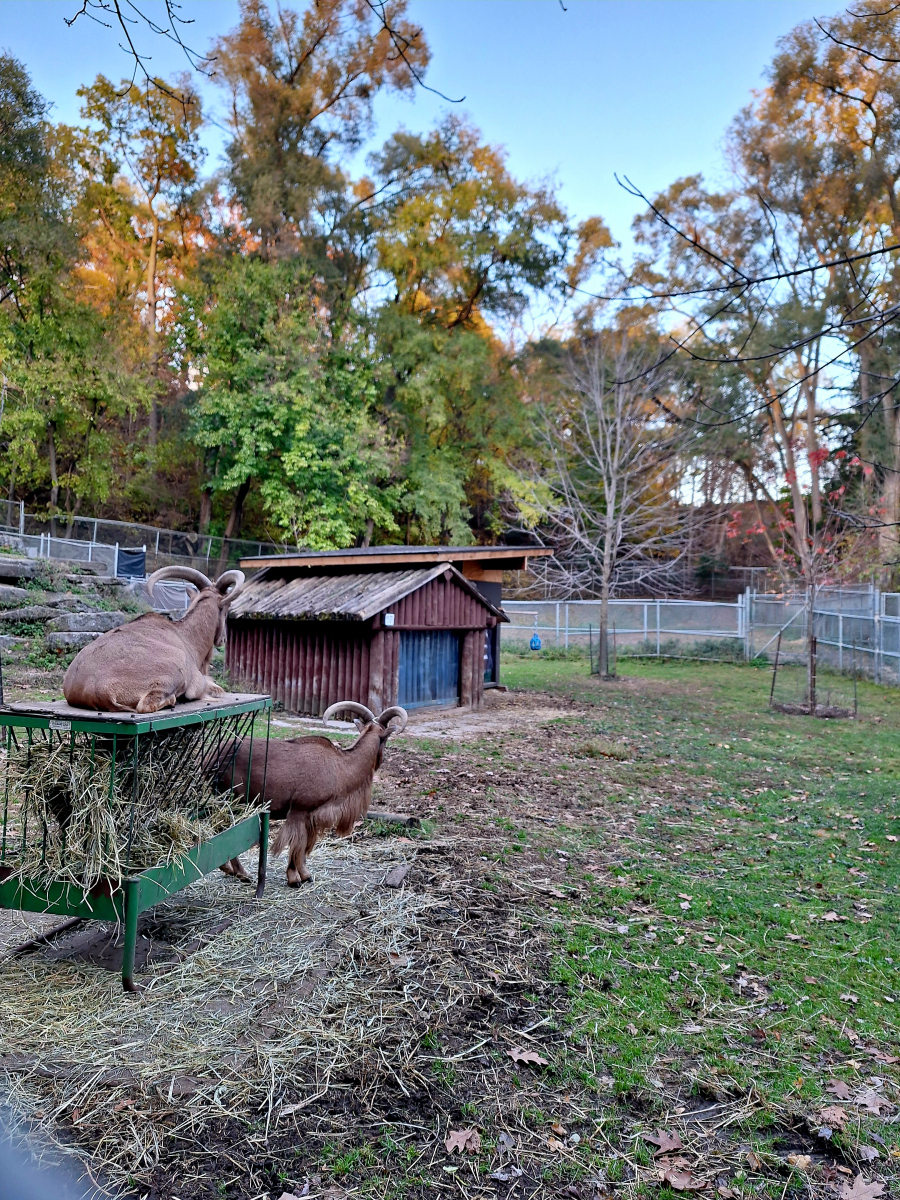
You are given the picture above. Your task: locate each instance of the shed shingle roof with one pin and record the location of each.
(341, 597)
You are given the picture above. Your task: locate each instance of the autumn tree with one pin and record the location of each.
(146, 157)
(301, 89)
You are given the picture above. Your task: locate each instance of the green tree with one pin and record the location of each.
(460, 238)
(285, 406)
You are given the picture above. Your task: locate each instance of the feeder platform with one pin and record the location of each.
(201, 735)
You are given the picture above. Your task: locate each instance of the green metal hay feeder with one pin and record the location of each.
(107, 814)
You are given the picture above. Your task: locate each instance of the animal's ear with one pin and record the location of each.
(359, 723)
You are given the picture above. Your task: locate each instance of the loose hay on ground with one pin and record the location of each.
(320, 997)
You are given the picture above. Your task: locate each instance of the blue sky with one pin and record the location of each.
(643, 88)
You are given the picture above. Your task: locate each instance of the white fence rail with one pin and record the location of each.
(856, 629)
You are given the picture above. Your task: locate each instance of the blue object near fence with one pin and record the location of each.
(131, 563)
(535, 642)
(429, 669)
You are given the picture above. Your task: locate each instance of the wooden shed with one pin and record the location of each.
(414, 637)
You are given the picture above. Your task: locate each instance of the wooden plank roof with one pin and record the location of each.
(511, 558)
(326, 597)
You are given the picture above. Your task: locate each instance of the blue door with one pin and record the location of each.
(429, 669)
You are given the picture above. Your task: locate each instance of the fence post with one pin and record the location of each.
(646, 634)
(567, 626)
(116, 562)
(557, 623)
(657, 626)
(21, 518)
(841, 639)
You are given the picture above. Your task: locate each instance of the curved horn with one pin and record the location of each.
(395, 711)
(350, 705)
(236, 579)
(188, 574)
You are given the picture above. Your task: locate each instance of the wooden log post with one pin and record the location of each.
(467, 653)
(375, 699)
(478, 669)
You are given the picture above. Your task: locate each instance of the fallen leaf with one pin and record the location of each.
(725, 1192)
(505, 1174)
(834, 1115)
(832, 916)
(891, 837)
(560, 1129)
(849, 998)
(753, 1160)
(800, 1162)
(810, 979)
(555, 1143)
(520, 1054)
(838, 1088)
(868, 1153)
(881, 1057)
(665, 1141)
(506, 1143)
(872, 1102)
(123, 1104)
(684, 896)
(631, 1029)
(463, 1139)
(794, 937)
(678, 1175)
(684, 906)
(862, 1189)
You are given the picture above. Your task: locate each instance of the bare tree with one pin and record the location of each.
(613, 444)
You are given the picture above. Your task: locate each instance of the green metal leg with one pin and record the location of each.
(263, 853)
(131, 920)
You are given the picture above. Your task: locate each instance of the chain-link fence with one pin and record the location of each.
(89, 539)
(857, 629)
(660, 627)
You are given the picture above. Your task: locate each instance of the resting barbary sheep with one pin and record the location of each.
(315, 786)
(152, 662)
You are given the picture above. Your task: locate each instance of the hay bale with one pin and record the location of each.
(77, 815)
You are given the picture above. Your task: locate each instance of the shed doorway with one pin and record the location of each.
(429, 668)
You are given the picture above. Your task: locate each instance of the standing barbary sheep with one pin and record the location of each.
(152, 662)
(315, 786)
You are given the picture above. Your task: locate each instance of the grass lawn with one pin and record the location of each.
(635, 910)
(730, 950)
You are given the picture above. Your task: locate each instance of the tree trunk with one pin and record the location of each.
(205, 510)
(233, 525)
(54, 478)
(889, 534)
(811, 650)
(370, 527)
(151, 330)
(603, 664)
